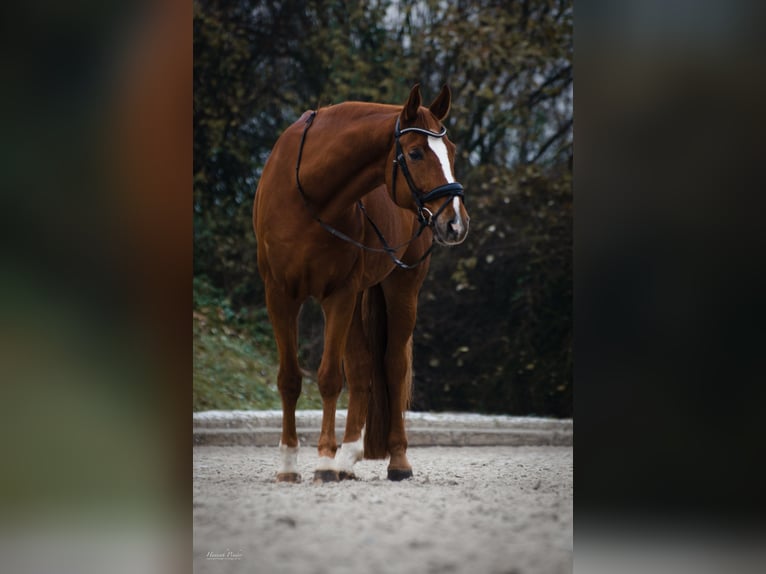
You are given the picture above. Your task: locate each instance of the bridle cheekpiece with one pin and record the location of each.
(425, 217)
(449, 190)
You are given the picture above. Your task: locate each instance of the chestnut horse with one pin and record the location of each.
(350, 201)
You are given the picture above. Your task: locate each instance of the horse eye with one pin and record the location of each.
(416, 154)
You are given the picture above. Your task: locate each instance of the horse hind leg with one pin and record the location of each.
(283, 312)
(357, 365)
(338, 314)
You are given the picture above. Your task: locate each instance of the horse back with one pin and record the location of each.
(272, 191)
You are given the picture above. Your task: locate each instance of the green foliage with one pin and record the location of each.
(495, 322)
(508, 289)
(235, 363)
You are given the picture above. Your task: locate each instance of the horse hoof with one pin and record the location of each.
(397, 475)
(293, 477)
(325, 476)
(345, 475)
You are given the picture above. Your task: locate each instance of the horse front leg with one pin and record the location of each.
(338, 310)
(399, 375)
(357, 365)
(283, 312)
(401, 293)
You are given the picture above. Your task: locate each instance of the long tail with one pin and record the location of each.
(379, 407)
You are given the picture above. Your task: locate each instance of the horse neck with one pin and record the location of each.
(350, 154)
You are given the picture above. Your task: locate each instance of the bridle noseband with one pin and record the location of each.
(425, 217)
(449, 190)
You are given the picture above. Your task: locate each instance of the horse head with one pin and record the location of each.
(423, 178)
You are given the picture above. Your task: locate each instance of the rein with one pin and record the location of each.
(449, 189)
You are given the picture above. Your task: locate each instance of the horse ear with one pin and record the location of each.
(440, 106)
(410, 111)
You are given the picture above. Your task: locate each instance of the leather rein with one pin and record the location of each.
(425, 217)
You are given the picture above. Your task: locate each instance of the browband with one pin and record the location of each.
(439, 134)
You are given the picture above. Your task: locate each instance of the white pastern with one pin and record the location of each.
(440, 149)
(326, 463)
(289, 459)
(348, 454)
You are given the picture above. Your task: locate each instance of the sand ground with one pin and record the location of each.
(497, 510)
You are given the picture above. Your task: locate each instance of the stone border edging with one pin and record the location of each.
(262, 428)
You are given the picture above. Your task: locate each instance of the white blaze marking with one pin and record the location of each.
(289, 456)
(458, 219)
(348, 454)
(440, 149)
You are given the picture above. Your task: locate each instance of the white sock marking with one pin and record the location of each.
(348, 454)
(289, 458)
(326, 463)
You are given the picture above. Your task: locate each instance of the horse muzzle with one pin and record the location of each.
(450, 225)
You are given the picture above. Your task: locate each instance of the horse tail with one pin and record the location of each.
(378, 421)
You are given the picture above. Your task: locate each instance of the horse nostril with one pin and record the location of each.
(451, 226)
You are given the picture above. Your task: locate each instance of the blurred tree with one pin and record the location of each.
(505, 295)
(495, 324)
(257, 67)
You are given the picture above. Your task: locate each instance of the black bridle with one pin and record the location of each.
(448, 190)
(425, 217)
